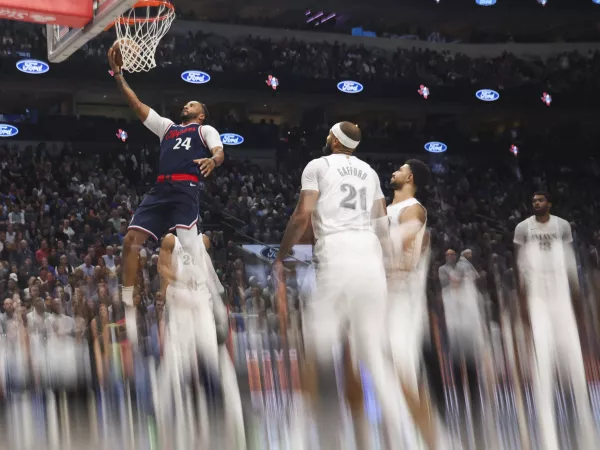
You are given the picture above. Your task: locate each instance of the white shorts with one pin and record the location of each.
(406, 321)
(350, 293)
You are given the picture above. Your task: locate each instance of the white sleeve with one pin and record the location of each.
(210, 136)
(378, 192)
(520, 237)
(567, 233)
(157, 124)
(313, 172)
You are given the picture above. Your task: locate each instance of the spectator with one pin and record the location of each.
(43, 251)
(86, 268)
(36, 319)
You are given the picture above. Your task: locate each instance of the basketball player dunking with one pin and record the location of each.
(343, 196)
(188, 152)
(197, 330)
(548, 284)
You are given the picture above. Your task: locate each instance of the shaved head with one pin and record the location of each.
(343, 137)
(351, 130)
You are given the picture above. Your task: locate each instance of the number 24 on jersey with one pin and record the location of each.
(185, 143)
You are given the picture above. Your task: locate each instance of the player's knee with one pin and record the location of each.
(133, 238)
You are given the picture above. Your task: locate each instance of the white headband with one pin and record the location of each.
(341, 136)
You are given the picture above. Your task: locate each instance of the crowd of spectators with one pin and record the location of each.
(335, 61)
(64, 216)
(399, 27)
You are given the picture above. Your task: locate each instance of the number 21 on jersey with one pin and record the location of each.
(186, 143)
(350, 201)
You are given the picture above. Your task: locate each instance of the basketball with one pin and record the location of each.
(127, 47)
(117, 53)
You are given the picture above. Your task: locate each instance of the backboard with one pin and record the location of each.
(63, 41)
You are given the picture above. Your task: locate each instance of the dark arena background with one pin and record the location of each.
(498, 97)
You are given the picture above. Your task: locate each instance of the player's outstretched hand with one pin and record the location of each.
(207, 165)
(112, 60)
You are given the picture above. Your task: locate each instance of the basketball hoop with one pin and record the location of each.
(140, 29)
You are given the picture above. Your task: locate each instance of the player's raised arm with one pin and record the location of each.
(140, 109)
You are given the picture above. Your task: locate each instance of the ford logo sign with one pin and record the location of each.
(195, 77)
(33, 66)
(485, 2)
(350, 87)
(8, 130)
(597, 2)
(487, 95)
(271, 253)
(436, 147)
(231, 139)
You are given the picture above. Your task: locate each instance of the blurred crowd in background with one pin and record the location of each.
(63, 217)
(401, 28)
(331, 60)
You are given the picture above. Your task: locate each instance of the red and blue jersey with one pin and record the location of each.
(180, 146)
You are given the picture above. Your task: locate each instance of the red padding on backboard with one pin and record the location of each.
(72, 13)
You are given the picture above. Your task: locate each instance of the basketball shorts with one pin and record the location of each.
(406, 321)
(167, 206)
(349, 296)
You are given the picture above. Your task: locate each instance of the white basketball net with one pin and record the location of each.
(139, 31)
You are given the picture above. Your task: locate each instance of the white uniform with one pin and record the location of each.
(195, 311)
(463, 311)
(406, 292)
(351, 292)
(191, 330)
(545, 259)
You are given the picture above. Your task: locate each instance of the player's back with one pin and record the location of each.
(347, 191)
(342, 220)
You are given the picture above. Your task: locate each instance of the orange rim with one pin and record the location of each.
(141, 4)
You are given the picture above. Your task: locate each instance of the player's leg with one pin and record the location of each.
(406, 321)
(322, 331)
(234, 417)
(570, 360)
(322, 334)
(417, 400)
(543, 372)
(148, 221)
(134, 239)
(184, 220)
(370, 342)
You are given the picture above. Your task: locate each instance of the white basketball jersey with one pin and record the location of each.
(189, 273)
(347, 190)
(405, 257)
(544, 245)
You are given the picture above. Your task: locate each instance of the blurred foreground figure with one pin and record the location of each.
(406, 276)
(343, 196)
(547, 285)
(194, 344)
